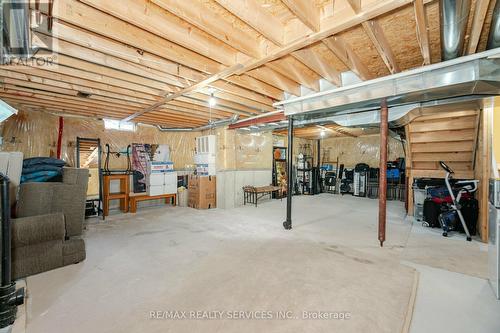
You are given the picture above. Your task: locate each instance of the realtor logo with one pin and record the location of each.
(26, 33)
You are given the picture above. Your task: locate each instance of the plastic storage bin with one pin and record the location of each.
(419, 212)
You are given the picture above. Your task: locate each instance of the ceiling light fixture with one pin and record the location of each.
(212, 101)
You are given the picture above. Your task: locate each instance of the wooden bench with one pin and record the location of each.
(252, 194)
(134, 199)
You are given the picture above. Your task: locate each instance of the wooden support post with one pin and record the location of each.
(382, 206)
(59, 137)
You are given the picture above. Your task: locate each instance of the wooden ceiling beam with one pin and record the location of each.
(376, 35)
(84, 85)
(225, 100)
(329, 26)
(84, 65)
(171, 111)
(99, 113)
(319, 65)
(77, 85)
(242, 92)
(29, 92)
(252, 13)
(347, 55)
(306, 12)
(97, 57)
(156, 20)
(256, 85)
(297, 71)
(151, 64)
(198, 108)
(202, 17)
(275, 79)
(88, 18)
(422, 30)
(480, 11)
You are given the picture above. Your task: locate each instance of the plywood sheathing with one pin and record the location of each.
(401, 32)
(362, 45)
(325, 52)
(432, 10)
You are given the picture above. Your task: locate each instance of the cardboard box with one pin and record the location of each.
(202, 192)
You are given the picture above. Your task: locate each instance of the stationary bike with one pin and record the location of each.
(447, 218)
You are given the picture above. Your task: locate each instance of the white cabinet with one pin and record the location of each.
(162, 183)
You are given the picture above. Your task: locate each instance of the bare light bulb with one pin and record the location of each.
(212, 101)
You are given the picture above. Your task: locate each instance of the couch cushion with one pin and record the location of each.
(37, 229)
(73, 251)
(37, 258)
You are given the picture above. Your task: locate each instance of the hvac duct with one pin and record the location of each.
(454, 16)
(494, 37)
(210, 125)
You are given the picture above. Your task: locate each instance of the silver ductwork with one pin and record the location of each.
(494, 36)
(477, 74)
(210, 125)
(454, 15)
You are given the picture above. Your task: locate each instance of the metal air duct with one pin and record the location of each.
(210, 125)
(454, 15)
(494, 36)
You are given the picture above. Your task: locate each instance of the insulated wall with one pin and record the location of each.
(363, 149)
(35, 134)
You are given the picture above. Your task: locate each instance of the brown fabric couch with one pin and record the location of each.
(46, 233)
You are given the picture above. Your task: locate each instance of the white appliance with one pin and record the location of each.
(206, 155)
(206, 144)
(494, 238)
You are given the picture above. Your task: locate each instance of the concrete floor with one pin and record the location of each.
(168, 259)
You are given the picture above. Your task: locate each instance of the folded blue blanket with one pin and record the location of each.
(43, 161)
(40, 167)
(40, 176)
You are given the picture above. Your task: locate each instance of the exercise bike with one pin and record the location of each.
(448, 218)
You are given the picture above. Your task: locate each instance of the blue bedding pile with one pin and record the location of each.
(42, 169)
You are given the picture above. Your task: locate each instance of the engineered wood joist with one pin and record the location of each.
(306, 11)
(145, 55)
(422, 30)
(377, 36)
(347, 55)
(199, 15)
(158, 21)
(297, 71)
(250, 12)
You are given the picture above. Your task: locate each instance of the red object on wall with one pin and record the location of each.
(59, 137)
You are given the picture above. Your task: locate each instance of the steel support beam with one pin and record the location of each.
(288, 223)
(382, 203)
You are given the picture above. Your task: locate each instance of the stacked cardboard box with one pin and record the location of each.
(202, 192)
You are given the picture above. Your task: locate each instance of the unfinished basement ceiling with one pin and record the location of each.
(158, 61)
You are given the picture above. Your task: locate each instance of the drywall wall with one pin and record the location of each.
(35, 134)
